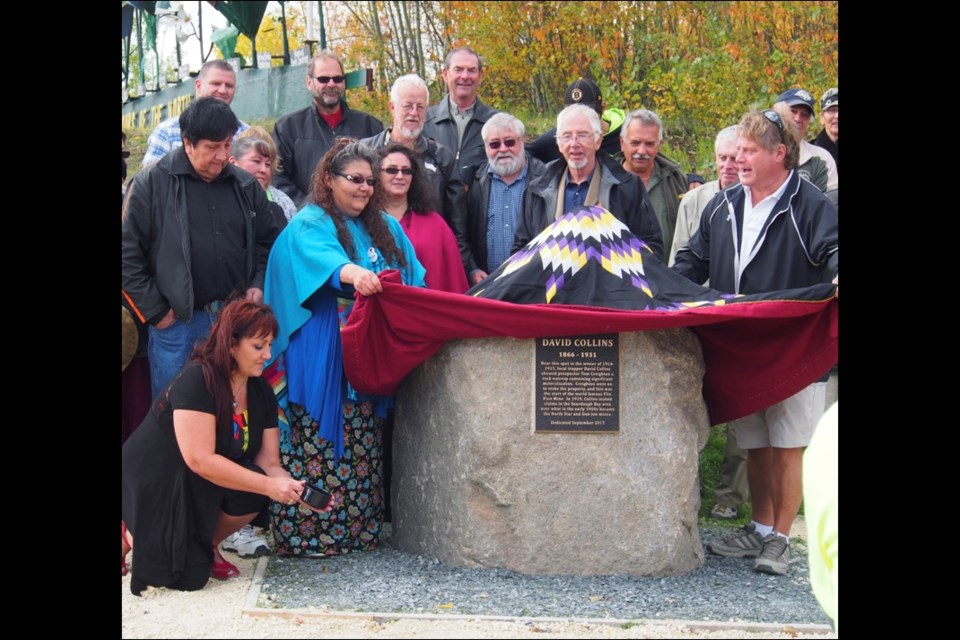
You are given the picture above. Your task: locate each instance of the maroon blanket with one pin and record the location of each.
(757, 351)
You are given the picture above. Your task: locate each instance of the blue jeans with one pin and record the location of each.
(168, 349)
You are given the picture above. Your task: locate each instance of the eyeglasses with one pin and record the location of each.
(125, 153)
(581, 136)
(509, 143)
(326, 79)
(774, 117)
(407, 171)
(371, 182)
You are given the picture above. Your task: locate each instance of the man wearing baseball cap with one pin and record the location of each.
(586, 92)
(800, 104)
(829, 119)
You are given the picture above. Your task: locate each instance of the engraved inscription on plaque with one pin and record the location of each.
(577, 386)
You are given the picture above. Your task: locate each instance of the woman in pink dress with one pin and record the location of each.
(407, 197)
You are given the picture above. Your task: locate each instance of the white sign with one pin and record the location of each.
(300, 56)
(235, 63)
(263, 60)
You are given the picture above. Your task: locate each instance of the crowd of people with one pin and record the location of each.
(242, 251)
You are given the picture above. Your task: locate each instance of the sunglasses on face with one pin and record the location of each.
(407, 171)
(509, 143)
(125, 153)
(371, 182)
(326, 79)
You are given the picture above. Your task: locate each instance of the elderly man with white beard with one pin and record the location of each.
(498, 195)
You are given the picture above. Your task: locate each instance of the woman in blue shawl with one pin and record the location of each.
(334, 247)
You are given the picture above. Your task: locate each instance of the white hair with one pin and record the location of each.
(574, 109)
(411, 79)
(727, 134)
(503, 122)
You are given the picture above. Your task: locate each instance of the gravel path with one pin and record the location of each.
(724, 598)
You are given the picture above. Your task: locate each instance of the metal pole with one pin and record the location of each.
(323, 30)
(203, 58)
(286, 44)
(140, 49)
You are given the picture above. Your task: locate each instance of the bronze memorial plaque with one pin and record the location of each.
(578, 384)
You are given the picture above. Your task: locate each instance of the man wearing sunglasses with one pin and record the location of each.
(456, 121)
(304, 136)
(498, 196)
(773, 231)
(215, 80)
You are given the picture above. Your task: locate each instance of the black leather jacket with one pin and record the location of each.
(302, 137)
(155, 237)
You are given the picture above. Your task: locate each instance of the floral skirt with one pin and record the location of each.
(353, 524)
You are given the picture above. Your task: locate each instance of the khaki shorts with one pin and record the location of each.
(785, 425)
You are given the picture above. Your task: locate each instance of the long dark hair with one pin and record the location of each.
(343, 152)
(420, 197)
(237, 320)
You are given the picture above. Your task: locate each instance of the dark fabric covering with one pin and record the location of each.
(758, 351)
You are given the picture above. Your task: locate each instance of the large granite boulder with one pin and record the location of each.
(474, 485)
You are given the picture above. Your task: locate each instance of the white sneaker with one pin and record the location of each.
(246, 543)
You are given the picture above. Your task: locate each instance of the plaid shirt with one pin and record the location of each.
(502, 212)
(165, 137)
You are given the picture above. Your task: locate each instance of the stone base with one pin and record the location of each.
(473, 485)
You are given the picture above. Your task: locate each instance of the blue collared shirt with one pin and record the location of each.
(503, 210)
(575, 194)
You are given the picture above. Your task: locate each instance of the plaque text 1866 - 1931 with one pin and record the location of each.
(578, 383)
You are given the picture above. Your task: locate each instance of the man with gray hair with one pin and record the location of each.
(498, 195)
(584, 178)
(692, 204)
(456, 121)
(771, 232)
(409, 97)
(305, 135)
(215, 80)
(664, 180)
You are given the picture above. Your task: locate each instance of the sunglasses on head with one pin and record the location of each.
(774, 117)
(407, 171)
(326, 79)
(509, 143)
(371, 182)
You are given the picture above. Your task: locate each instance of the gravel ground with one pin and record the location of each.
(389, 580)
(724, 598)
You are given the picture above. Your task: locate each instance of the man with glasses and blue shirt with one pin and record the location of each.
(304, 136)
(409, 97)
(498, 196)
(772, 231)
(582, 177)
